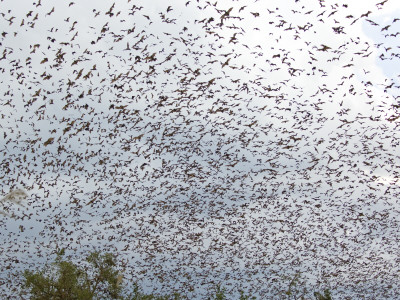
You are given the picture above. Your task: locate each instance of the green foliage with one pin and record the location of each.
(64, 280)
(65, 285)
(219, 293)
(139, 295)
(246, 297)
(105, 279)
(296, 288)
(326, 296)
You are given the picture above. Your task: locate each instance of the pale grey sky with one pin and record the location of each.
(258, 143)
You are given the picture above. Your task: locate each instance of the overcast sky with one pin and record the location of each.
(261, 142)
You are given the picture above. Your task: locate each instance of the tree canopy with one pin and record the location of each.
(65, 280)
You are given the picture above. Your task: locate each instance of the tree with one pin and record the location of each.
(296, 289)
(65, 280)
(139, 295)
(219, 293)
(325, 296)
